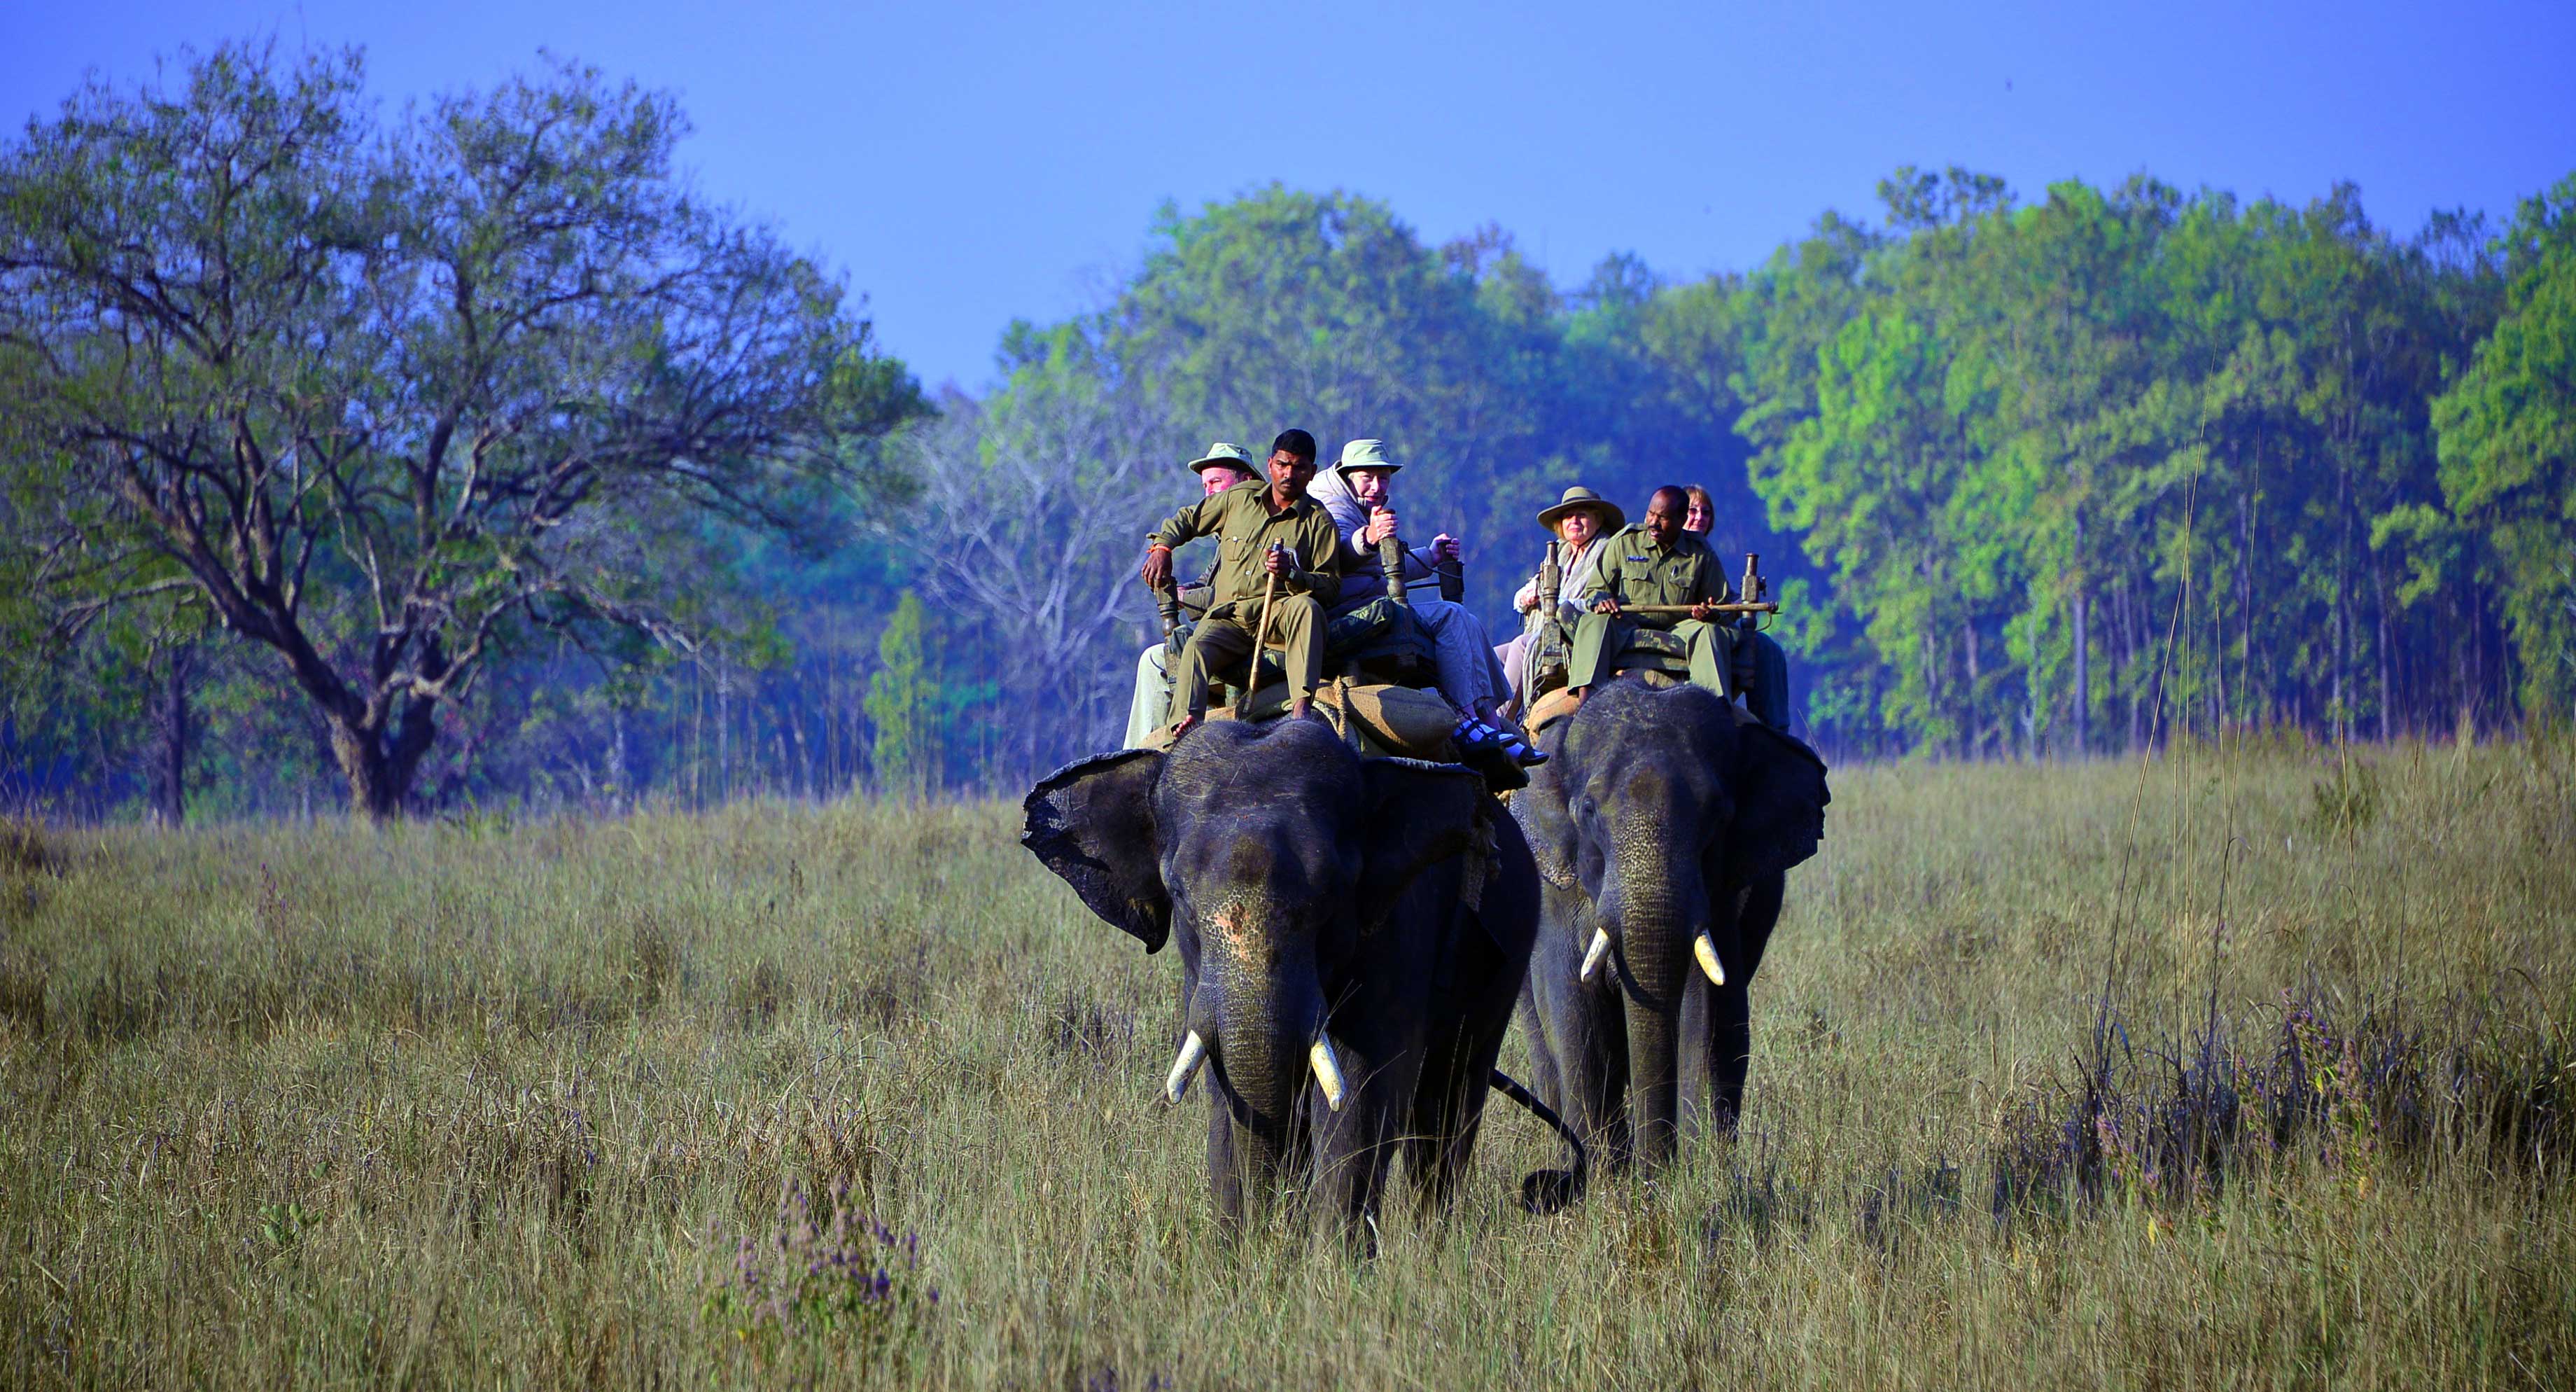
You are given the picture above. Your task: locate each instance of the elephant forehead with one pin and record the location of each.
(1261, 852)
(1660, 787)
(1237, 925)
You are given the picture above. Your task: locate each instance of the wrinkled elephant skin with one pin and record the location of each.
(1661, 816)
(1382, 908)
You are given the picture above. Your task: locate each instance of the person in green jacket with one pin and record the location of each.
(1653, 563)
(1270, 536)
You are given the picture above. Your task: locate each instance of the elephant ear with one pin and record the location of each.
(1092, 823)
(1540, 809)
(1421, 815)
(1780, 799)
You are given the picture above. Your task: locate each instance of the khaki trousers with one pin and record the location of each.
(1224, 638)
(1600, 638)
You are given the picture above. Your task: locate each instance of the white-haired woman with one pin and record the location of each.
(1579, 526)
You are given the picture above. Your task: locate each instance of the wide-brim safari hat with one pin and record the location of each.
(1612, 519)
(1366, 454)
(1232, 456)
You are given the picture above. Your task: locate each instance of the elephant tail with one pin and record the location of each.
(1546, 1191)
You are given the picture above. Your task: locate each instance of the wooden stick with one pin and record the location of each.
(1767, 606)
(1260, 640)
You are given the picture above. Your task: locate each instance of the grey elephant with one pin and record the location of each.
(1353, 934)
(1664, 824)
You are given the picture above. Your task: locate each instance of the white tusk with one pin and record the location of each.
(1592, 958)
(1193, 1053)
(1328, 1071)
(1705, 949)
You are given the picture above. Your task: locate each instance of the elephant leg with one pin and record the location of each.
(1225, 1168)
(1578, 1031)
(1698, 1061)
(1587, 1034)
(1449, 1110)
(1717, 1021)
(1730, 1048)
(1717, 1044)
(1545, 1081)
(1354, 1147)
(1441, 1157)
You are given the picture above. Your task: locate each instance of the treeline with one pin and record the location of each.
(2036, 478)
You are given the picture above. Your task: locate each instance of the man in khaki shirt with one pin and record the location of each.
(1653, 562)
(1269, 535)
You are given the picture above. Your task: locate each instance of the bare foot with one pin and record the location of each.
(1187, 723)
(1303, 708)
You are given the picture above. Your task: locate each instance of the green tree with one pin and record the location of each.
(903, 704)
(2508, 446)
(389, 399)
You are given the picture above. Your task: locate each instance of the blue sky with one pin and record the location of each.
(967, 164)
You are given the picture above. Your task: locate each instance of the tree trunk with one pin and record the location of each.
(2387, 678)
(380, 763)
(2083, 695)
(172, 722)
(1975, 734)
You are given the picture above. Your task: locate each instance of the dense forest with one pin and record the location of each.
(465, 462)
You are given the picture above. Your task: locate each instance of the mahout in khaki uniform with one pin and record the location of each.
(1276, 551)
(1654, 563)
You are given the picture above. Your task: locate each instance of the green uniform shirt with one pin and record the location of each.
(1634, 572)
(1244, 526)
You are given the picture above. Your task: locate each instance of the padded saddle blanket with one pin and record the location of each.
(1380, 719)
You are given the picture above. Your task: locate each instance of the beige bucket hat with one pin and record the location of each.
(1581, 497)
(1233, 456)
(1366, 454)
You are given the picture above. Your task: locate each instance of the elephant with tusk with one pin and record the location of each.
(1353, 933)
(1664, 825)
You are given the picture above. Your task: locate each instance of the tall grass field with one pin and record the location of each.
(2245, 1067)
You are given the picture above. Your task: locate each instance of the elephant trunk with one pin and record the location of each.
(1262, 1013)
(1656, 919)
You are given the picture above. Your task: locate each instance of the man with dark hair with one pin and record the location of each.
(1653, 563)
(1269, 535)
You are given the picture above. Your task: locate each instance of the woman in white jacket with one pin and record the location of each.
(1581, 522)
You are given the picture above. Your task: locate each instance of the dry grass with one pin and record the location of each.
(499, 1105)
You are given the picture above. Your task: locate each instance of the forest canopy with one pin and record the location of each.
(2037, 476)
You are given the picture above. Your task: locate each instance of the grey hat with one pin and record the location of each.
(1232, 456)
(1581, 497)
(1366, 454)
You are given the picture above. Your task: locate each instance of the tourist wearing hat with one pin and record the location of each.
(1359, 492)
(1576, 527)
(1224, 466)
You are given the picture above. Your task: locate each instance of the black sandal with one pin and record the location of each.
(1476, 734)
